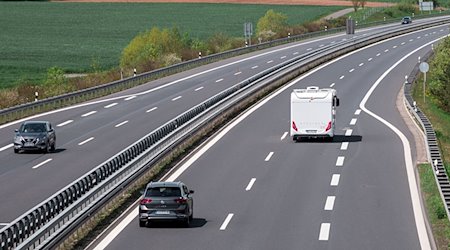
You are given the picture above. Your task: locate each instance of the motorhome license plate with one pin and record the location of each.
(163, 212)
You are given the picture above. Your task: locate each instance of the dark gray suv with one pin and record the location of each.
(166, 201)
(35, 135)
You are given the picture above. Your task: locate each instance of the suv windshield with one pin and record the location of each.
(163, 192)
(33, 128)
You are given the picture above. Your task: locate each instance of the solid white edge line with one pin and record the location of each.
(335, 180)
(63, 123)
(85, 141)
(284, 135)
(250, 184)
(89, 113)
(6, 147)
(111, 105)
(412, 182)
(329, 203)
(353, 121)
(176, 98)
(4, 224)
(150, 110)
(112, 235)
(225, 223)
(120, 124)
(340, 161)
(268, 156)
(42, 163)
(344, 146)
(324, 231)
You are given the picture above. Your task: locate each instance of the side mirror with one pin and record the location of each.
(142, 192)
(16, 130)
(191, 191)
(336, 101)
(51, 130)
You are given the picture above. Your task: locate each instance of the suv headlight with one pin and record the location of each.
(18, 139)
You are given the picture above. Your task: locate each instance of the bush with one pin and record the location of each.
(439, 84)
(272, 22)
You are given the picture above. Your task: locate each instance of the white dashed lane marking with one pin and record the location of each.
(403, 43)
(324, 231)
(282, 57)
(329, 204)
(250, 184)
(110, 105)
(358, 111)
(295, 53)
(63, 124)
(385, 51)
(197, 89)
(225, 223)
(130, 98)
(353, 121)
(85, 141)
(342, 77)
(270, 61)
(284, 135)
(351, 70)
(176, 98)
(254, 67)
(379, 54)
(394, 47)
(6, 147)
(370, 59)
(309, 49)
(331, 85)
(411, 40)
(219, 80)
(89, 113)
(344, 146)
(237, 73)
(268, 156)
(361, 64)
(120, 124)
(340, 161)
(348, 132)
(150, 110)
(42, 163)
(335, 180)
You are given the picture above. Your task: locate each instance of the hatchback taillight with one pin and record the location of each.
(145, 201)
(181, 200)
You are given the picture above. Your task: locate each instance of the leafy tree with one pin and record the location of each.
(439, 85)
(355, 4)
(271, 22)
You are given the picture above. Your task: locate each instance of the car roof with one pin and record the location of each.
(164, 184)
(35, 122)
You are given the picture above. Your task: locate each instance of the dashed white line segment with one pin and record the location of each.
(63, 124)
(219, 80)
(120, 124)
(348, 132)
(358, 111)
(199, 88)
(268, 156)
(340, 161)
(226, 222)
(176, 98)
(150, 110)
(284, 135)
(324, 231)
(335, 180)
(353, 121)
(111, 105)
(89, 113)
(344, 146)
(85, 141)
(254, 67)
(42, 163)
(250, 184)
(6, 147)
(237, 73)
(329, 204)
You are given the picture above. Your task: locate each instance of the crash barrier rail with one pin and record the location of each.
(48, 223)
(434, 155)
(27, 109)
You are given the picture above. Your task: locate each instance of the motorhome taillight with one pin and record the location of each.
(328, 127)
(294, 126)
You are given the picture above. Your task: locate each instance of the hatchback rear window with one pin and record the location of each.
(163, 192)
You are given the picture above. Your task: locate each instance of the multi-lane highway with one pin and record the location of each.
(298, 192)
(256, 189)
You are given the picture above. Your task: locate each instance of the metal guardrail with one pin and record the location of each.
(49, 222)
(23, 110)
(434, 155)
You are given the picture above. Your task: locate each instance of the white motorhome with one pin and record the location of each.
(313, 113)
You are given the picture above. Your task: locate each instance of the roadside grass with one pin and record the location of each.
(435, 208)
(75, 36)
(441, 124)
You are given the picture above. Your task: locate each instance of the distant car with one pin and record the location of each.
(166, 201)
(35, 135)
(406, 20)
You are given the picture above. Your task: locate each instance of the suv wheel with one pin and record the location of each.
(52, 148)
(16, 151)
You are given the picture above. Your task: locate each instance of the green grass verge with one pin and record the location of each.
(435, 208)
(38, 35)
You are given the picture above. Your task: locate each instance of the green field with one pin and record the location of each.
(38, 35)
